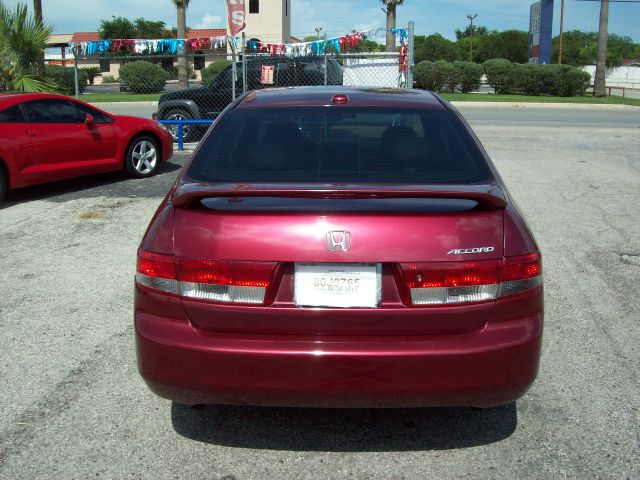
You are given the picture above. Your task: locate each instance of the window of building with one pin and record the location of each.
(254, 6)
(105, 65)
(198, 61)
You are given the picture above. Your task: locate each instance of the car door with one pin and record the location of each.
(15, 148)
(63, 146)
(214, 99)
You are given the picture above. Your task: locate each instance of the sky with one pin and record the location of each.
(337, 17)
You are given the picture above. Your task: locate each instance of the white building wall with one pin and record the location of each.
(272, 24)
(628, 77)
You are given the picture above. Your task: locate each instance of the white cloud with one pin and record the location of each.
(364, 26)
(210, 21)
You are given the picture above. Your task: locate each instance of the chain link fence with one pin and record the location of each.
(148, 86)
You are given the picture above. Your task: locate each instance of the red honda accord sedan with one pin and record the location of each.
(339, 247)
(46, 137)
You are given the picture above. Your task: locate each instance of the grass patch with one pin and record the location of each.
(119, 97)
(90, 215)
(485, 97)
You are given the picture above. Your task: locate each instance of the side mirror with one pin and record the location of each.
(88, 120)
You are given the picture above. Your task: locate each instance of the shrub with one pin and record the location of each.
(436, 76)
(172, 72)
(528, 79)
(573, 81)
(92, 73)
(109, 79)
(424, 74)
(143, 77)
(468, 76)
(499, 75)
(446, 75)
(210, 72)
(64, 77)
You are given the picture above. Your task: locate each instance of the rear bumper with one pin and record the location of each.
(492, 366)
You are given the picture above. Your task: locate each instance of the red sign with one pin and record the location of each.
(235, 16)
(267, 74)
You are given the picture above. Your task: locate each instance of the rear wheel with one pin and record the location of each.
(188, 131)
(142, 157)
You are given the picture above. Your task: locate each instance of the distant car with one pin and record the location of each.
(47, 137)
(339, 247)
(207, 101)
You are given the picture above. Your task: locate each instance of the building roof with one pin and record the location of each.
(59, 38)
(62, 38)
(85, 36)
(206, 32)
(630, 62)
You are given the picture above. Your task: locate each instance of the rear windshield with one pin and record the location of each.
(339, 145)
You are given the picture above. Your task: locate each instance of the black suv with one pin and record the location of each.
(208, 101)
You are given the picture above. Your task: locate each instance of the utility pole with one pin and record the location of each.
(561, 32)
(37, 10)
(600, 84)
(471, 18)
(318, 30)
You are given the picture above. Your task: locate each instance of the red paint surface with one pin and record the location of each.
(475, 353)
(35, 153)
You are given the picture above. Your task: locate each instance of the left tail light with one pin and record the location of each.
(203, 279)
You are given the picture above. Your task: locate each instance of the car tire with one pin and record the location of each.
(4, 184)
(189, 131)
(143, 157)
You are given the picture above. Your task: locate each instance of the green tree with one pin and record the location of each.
(117, 27)
(478, 31)
(150, 29)
(581, 48)
(181, 11)
(578, 48)
(512, 45)
(22, 42)
(391, 21)
(434, 47)
(121, 27)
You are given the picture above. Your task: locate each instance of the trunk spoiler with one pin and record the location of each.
(490, 196)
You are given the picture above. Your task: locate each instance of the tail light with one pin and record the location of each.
(202, 279)
(436, 283)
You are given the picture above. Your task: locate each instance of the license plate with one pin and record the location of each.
(337, 285)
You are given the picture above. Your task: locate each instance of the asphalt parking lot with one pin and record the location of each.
(73, 405)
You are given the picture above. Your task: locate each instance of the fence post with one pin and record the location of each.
(75, 76)
(180, 135)
(410, 52)
(234, 69)
(244, 62)
(325, 68)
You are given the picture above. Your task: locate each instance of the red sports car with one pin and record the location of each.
(336, 247)
(46, 137)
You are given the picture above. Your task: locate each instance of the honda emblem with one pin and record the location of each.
(338, 241)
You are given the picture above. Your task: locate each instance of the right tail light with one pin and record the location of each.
(437, 283)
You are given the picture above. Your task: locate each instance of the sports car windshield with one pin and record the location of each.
(339, 145)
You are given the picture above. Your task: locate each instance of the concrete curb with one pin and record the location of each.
(576, 106)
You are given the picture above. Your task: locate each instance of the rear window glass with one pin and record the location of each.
(339, 145)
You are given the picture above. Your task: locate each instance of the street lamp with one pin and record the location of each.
(318, 30)
(561, 32)
(471, 18)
